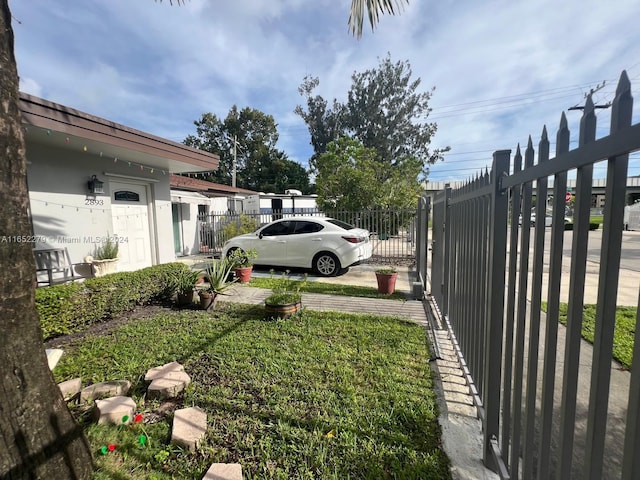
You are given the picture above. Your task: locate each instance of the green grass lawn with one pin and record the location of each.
(624, 333)
(323, 395)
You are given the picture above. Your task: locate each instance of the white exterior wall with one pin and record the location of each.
(219, 204)
(188, 217)
(262, 203)
(65, 215)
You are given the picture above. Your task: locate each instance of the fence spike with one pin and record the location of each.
(589, 107)
(563, 122)
(562, 135)
(622, 106)
(544, 135)
(529, 153)
(588, 122)
(543, 146)
(517, 160)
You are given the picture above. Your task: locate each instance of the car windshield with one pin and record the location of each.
(340, 223)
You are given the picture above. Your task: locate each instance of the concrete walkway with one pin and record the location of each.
(411, 309)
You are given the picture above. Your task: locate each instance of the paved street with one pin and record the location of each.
(629, 278)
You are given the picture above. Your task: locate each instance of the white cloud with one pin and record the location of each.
(30, 86)
(501, 69)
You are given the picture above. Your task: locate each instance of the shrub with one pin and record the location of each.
(240, 258)
(244, 224)
(285, 291)
(592, 226)
(73, 307)
(108, 250)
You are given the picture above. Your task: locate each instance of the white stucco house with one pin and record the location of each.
(90, 178)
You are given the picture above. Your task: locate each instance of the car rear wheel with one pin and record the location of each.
(326, 264)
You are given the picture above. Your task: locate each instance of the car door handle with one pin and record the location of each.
(316, 239)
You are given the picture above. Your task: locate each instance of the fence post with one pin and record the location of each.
(422, 238)
(495, 314)
(446, 250)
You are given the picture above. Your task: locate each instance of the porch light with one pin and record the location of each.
(95, 185)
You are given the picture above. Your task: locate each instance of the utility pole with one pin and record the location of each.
(235, 161)
(591, 92)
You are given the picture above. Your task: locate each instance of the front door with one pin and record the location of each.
(130, 212)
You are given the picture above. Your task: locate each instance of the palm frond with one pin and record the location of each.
(374, 9)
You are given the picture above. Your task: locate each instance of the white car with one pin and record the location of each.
(548, 219)
(325, 244)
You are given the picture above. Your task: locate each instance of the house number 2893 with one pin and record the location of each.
(93, 201)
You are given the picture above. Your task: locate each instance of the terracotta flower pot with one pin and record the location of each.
(243, 274)
(281, 310)
(207, 300)
(386, 282)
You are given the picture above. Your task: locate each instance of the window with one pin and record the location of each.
(126, 196)
(307, 227)
(279, 228)
(341, 224)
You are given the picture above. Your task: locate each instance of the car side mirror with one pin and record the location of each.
(260, 235)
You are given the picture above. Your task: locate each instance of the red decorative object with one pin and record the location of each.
(137, 418)
(386, 282)
(243, 274)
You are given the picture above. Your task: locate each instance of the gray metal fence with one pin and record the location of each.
(552, 406)
(393, 232)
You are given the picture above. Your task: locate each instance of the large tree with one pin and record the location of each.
(39, 437)
(351, 178)
(385, 110)
(248, 137)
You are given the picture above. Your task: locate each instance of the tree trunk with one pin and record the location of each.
(39, 437)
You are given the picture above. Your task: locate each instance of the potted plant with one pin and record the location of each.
(215, 282)
(242, 265)
(285, 299)
(105, 258)
(386, 278)
(184, 283)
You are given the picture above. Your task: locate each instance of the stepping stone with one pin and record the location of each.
(114, 409)
(224, 471)
(53, 357)
(105, 389)
(70, 388)
(189, 427)
(167, 381)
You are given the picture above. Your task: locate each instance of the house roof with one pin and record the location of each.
(197, 185)
(65, 127)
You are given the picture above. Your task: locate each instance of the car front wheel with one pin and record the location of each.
(326, 264)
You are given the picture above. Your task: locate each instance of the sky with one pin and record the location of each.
(501, 69)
